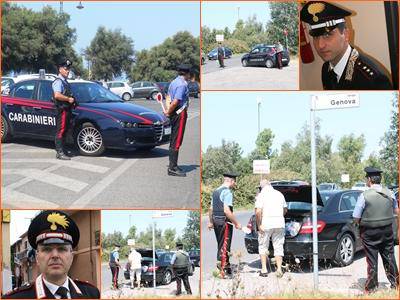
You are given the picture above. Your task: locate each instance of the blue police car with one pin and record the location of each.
(100, 120)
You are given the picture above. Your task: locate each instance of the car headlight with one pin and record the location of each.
(125, 124)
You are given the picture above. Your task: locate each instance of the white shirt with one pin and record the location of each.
(135, 259)
(53, 288)
(272, 203)
(341, 65)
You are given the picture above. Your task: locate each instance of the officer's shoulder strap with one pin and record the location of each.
(81, 282)
(20, 289)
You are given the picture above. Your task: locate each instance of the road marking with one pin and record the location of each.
(49, 178)
(111, 158)
(100, 186)
(27, 150)
(70, 164)
(15, 199)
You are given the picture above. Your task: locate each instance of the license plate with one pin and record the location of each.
(167, 131)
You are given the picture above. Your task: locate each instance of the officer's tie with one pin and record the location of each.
(332, 77)
(63, 292)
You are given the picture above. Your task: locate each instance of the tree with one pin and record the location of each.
(113, 238)
(160, 62)
(132, 233)
(36, 40)
(263, 145)
(191, 233)
(389, 153)
(169, 238)
(110, 53)
(284, 15)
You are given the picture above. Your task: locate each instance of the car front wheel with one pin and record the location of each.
(153, 96)
(269, 63)
(126, 96)
(89, 140)
(344, 255)
(167, 278)
(5, 130)
(244, 63)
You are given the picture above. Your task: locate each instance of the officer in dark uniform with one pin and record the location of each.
(54, 235)
(374, 213)
(114, 265)
(221, 56)
(64, 101)
(181, 263)
(345, 68)
(220, 215)
(178, 92)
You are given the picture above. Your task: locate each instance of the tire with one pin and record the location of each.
(5, 130)
(245, 63)
(269, 63)
(126, 96)
(344, 255)
(153, 96)
(167, 277)
(89, 140)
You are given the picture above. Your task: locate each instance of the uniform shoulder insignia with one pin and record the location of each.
(20, 289)
(84, 283)
(369, 70)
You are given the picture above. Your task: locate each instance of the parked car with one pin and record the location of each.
(194, 89)
(328, 186)
(360, 186)
(213, 54)
(145, 89)
(264, 55)
(163, 267)
(338, 237)
(121, 89)
(100, 120)
(195, 257)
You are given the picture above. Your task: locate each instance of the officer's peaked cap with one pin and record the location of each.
(371, 171)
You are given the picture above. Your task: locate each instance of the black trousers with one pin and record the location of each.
(62, 124)
(182, 275)
(279, 59)
(223, 233)
(379, 240)
(178, 125)
(114, 274)
(221, 60)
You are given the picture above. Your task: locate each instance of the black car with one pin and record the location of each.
(195, 257)
(213, 54)
(264, 55)
(163, 267)
(145, 89)
(193, 89)
(338, 237)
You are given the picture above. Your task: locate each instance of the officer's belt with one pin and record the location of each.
(181, 109)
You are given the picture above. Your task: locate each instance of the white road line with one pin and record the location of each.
(49, 178)
(26, 180)
(95, 190)
(27, 150)
(111, 158)
(70, 164)
(15, 199)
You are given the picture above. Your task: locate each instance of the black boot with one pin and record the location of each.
(173, 169)
(61, 155)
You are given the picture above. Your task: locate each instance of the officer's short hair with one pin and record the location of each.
(341, 27)
(375, 179)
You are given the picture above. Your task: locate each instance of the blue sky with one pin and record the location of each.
(219, 15)
(147, 23)
(118, 220)
(233, 116)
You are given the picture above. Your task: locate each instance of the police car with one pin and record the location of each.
(99, 121)
(264, 55)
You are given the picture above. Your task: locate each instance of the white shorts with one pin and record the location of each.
(278, 239)
(137, 272)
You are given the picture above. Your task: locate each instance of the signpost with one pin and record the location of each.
(323, 102)
(219, 37)
(157, 215)
(261, 166)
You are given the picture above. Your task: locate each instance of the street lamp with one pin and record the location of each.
(258, 112)
(80, 6)
(238, 9)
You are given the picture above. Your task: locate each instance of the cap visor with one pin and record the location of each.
(53, 241)
(321, 31)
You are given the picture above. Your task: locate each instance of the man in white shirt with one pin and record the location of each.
(135, 261)
(270, 210)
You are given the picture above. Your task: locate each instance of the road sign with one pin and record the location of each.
(261, 166)
(163, 214)
(219, 37)
(345, 178)
(335, 101)
(131, 242)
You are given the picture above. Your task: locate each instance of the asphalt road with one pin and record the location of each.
(236, 77)
(33, 178)
(126, 292)
(348, 280)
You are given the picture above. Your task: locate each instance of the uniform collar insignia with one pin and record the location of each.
(350, 65)
(56, 218)
(39, 286)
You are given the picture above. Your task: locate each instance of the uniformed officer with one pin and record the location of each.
(345, 68)
(54, 235)
(180, 262)
(178, 92)
(64, 100)
(279, 53)
(221, 56)
(220, 215)
(114, 265)
(374, 213)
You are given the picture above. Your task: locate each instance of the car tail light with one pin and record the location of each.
(307, 227)
(250, 225)
(151, 269)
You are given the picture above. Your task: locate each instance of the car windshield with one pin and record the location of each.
(302, 205)
(360, 184)
(85, 92)
(325, 187)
